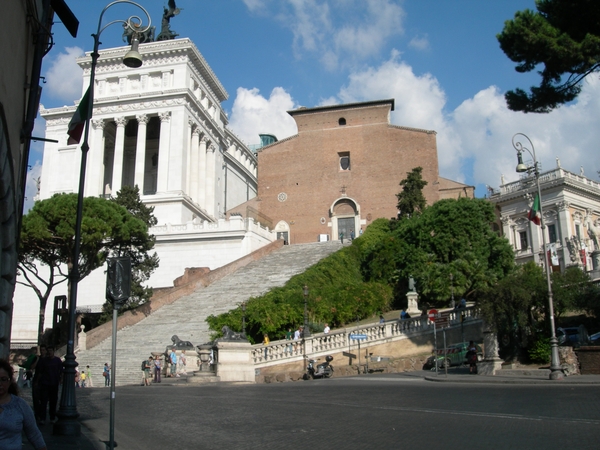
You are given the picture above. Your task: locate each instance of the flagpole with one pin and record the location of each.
(556, 372)
(67, 414)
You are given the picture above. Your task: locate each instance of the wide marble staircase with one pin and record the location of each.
(186, 316)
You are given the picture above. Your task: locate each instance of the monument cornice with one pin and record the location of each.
(156, 54)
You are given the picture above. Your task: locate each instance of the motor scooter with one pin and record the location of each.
(323, 370)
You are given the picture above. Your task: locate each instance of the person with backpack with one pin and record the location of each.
(146, 366)
(472, 358)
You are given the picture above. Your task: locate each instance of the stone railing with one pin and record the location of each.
(283, 351)
(545, 177)
(235, 224)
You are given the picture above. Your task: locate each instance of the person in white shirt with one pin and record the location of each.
(326, 329)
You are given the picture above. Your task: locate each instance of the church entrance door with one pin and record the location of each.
(346, 225)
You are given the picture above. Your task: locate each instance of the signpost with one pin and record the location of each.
(358, 337)
(432, 315)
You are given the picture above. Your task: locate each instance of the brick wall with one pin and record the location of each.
(306, 168)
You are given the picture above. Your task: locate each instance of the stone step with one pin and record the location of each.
(186, 317)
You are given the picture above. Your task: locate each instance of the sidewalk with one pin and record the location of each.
(86, 441)
(514, 376)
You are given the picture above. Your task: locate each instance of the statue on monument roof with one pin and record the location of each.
(165, 31)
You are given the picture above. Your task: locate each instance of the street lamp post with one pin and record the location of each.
(67, 424)
(555, 369)
(244, 317)
(306, 330)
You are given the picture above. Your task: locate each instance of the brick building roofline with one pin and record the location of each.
(305, 110)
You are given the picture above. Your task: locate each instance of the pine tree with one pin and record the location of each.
(411, 200)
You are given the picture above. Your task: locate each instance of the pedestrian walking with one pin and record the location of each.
(106, 374)
(146, 375)
(288, 337)
(266, 341)
(157, 369)
(472, 358)
(182, 362)
(351, 235)
(173, 360)
(90, 383)
(83, 378)
(36, 395)
(29, 366)
(51, 369)
(16, 415)
(342, 236)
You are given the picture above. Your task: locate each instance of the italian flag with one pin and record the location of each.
(534, 215)
(77, 123)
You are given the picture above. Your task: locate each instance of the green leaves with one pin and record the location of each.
(564, 37)
(411, 200)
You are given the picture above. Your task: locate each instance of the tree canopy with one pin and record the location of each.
(564, 37)
(143, 264)
(47, 238)
(451, 237)
(411, 199)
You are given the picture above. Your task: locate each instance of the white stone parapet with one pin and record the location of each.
(321, 344)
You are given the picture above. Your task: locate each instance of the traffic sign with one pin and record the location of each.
(442, 321)
(359, 337)
(432, 314)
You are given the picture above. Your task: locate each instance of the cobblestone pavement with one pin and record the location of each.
(378, 411)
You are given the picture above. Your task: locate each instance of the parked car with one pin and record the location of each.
(456, 355)
(574, 336)
(595, 339)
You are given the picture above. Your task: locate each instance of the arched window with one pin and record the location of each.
(342, 121)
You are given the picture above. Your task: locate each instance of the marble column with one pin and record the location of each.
(163, 151)
(194, 162)
(117, 175)
(140, 152)
(95, 164)
(202, 172)
(210, 179)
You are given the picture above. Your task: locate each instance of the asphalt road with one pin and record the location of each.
(378, 411)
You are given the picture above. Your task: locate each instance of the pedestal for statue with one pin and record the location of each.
(595, 259)
(413, 305)
(491, 361)
(234, 361)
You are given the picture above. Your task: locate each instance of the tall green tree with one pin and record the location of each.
(564, 37)
(47, 241)
(411, 200)
(451, 237)
(143, 263)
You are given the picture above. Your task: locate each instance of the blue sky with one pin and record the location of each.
(439, 60)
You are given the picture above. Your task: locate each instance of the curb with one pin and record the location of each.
(510, 380)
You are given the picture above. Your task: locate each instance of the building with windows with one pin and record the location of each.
(160, 127)
(571, 206)
(25, 37)
(342, 171)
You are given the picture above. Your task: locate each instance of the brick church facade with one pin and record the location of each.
(341, 171)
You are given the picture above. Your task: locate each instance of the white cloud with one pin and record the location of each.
(420, 43)
(474, 140)
(64, 77)
(252, 114)
(341, 32)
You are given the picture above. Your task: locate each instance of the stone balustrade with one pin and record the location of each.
(284, 351)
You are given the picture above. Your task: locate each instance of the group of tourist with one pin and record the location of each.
(153, 366)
